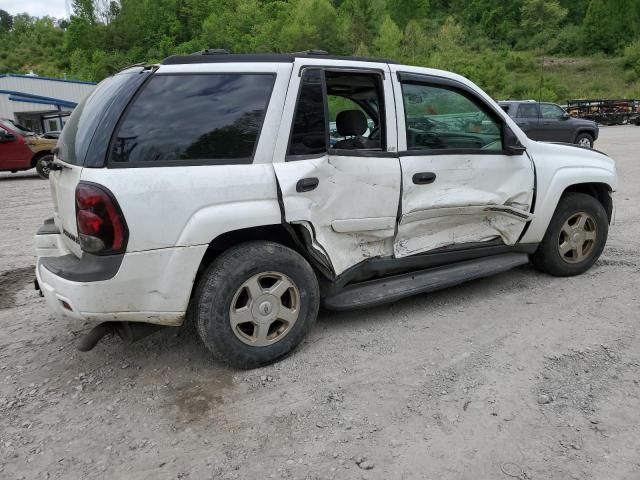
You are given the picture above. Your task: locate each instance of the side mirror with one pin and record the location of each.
(566, 116)
(512, 145)
(7, 137)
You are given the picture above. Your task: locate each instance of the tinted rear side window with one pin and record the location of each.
(181, 119)
(83, 123)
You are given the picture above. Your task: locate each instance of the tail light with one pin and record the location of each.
(102, 229)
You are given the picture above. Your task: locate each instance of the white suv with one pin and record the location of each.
(208, 186)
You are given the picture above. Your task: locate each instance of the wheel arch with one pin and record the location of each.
(593, 181)
(285, 234)
(38, 155)
(589, 131)
(598, 190)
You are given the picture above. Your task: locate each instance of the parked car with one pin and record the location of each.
(21, 149)
(549, 122)
(205, 188)
(52, 134)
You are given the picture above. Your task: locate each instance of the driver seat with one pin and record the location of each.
(352, 124)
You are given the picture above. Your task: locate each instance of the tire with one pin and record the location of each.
(584, 140)
(567, 249)
(237, 287)
(42, 166)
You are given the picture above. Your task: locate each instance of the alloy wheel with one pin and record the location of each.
(577, 238)
(264, 309)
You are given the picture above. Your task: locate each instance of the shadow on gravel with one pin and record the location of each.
(20, 177)
(12, 282)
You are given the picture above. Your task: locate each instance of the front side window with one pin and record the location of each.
(443, 118)
(551, 111)
(208, 118)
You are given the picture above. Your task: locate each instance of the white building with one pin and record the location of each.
(41, 104)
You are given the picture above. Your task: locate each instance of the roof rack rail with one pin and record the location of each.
(311, 52)
(212, 51)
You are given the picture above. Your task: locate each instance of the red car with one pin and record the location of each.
(21, 149)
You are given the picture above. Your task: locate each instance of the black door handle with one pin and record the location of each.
(307, 184)
(424, 178)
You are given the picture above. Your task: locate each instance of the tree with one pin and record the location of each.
(541, 19)
(403, 11)
(6, 22)
(610, 24)
(389, 40)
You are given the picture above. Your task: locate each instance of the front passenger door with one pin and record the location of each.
(459, 186)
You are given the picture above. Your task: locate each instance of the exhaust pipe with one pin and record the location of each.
(129, 332)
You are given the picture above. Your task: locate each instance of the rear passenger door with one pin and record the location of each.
(345, 199)
(528, 119)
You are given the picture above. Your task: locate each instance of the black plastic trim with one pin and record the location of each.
(89, 268)
(341, 152)
(451, 151)
(385, 290)
(335, 68)
(384, 266)
(48, 228)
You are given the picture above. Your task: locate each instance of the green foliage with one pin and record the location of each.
(541, 20)
(499, 44)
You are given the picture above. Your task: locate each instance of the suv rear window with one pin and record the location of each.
(82, 125)
(194, 118)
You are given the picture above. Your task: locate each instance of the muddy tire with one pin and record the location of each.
(42, 166)
(575, 237)
(255, 303)
(584, 140)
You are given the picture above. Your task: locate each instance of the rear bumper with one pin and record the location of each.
(152, 286)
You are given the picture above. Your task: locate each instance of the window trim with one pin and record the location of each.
(467, 92)
(382, 153)
(109, 163)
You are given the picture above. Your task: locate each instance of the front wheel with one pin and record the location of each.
(584, 140)
(42, 166)
(255, 303)
(575, 237)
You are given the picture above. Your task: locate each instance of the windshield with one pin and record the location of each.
(82, 125)
(11, 125)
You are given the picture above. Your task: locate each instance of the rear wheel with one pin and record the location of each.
(42, 166)
(575, 237)
(255, 303)
(584, 140)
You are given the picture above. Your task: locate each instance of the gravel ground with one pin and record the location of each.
(520, 376)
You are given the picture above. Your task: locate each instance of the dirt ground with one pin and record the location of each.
(518, 376)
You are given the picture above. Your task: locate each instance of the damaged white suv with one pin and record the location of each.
(210, 187)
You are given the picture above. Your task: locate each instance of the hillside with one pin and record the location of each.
(591, 48)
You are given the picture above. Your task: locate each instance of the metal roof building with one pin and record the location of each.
(41, 104)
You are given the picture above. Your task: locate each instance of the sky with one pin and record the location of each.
(38, 8)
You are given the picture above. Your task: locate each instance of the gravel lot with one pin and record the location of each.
(518, 376)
